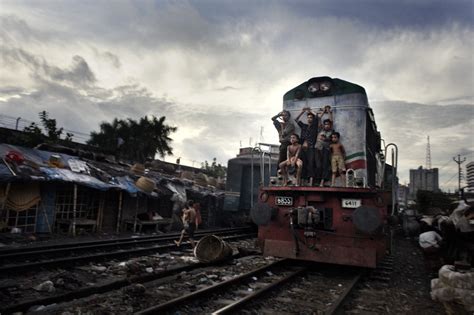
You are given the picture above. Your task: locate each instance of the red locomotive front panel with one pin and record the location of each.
(332, 225)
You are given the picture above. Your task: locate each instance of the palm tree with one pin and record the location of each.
(135, 140)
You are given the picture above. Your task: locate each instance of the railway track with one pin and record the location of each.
(240, 285)
(29, 259)
(249, 293)
(273, 279)
(27, 251)
(103, 288)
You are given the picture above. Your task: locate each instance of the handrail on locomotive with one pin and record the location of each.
(262, 169)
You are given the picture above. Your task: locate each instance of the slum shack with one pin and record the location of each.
(63, 190)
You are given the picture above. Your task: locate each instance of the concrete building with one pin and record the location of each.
(423, 179)
(470, 176)
(403, 192)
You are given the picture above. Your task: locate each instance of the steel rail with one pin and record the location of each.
(85, 247)
(87, 258)
(38, 248)
(205, 291)
(103, 288)
(240, 303)
(336, 307)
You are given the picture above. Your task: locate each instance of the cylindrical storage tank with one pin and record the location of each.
(212, 249)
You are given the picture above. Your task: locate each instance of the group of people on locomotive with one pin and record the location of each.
(313, 154)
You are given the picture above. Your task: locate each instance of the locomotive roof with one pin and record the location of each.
(338, 87)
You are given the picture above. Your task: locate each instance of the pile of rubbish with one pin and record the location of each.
(454, 284)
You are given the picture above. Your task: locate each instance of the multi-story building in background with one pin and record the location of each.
(423, 179)
(470, 176)
(403, 192)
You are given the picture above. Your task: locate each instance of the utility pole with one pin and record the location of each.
(459, 162)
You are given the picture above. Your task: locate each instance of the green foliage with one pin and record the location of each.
(215, 170)
(52, 131)
(429, 199)
(33, 135)
(135, 140)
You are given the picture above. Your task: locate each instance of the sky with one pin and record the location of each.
(218, 69)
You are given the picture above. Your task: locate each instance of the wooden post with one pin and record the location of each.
(100, 212)
(46, 218)
(119, 215)
(136, 213)
(74, 211)
(7, 191)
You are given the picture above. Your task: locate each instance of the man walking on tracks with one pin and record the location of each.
(189, 224)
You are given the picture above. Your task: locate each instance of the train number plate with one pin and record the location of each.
(284, 201)
(351, 203)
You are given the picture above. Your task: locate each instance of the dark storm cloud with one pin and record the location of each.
(423, 116)
(79, 73)
(388, 14)
(114, 59)
(11, 90)
(14, 29)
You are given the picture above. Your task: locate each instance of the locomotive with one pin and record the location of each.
(347, 224)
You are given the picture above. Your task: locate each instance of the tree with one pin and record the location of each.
(215, 170)
(429, 199)
(135, 140)
(34, 135)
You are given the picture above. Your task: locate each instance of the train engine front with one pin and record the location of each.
(331, 225)
(343, 222)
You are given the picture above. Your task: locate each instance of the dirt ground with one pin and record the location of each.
(408, 291)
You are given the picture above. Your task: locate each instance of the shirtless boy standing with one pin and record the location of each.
(189, 224)
(293, 152)
(338, 155)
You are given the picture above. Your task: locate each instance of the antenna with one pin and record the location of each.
(428, 154)
(459, 162)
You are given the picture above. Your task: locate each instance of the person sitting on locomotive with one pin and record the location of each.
(322, 159)
(285, 129)
(338, 155)
(292, 161)
(309, 132)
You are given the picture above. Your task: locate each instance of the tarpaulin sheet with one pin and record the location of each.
(46, 173)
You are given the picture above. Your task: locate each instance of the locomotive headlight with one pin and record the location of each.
(325, 86)
(313, 87)
(264, 197)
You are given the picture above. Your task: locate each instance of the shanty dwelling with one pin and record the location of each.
(45, 192)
